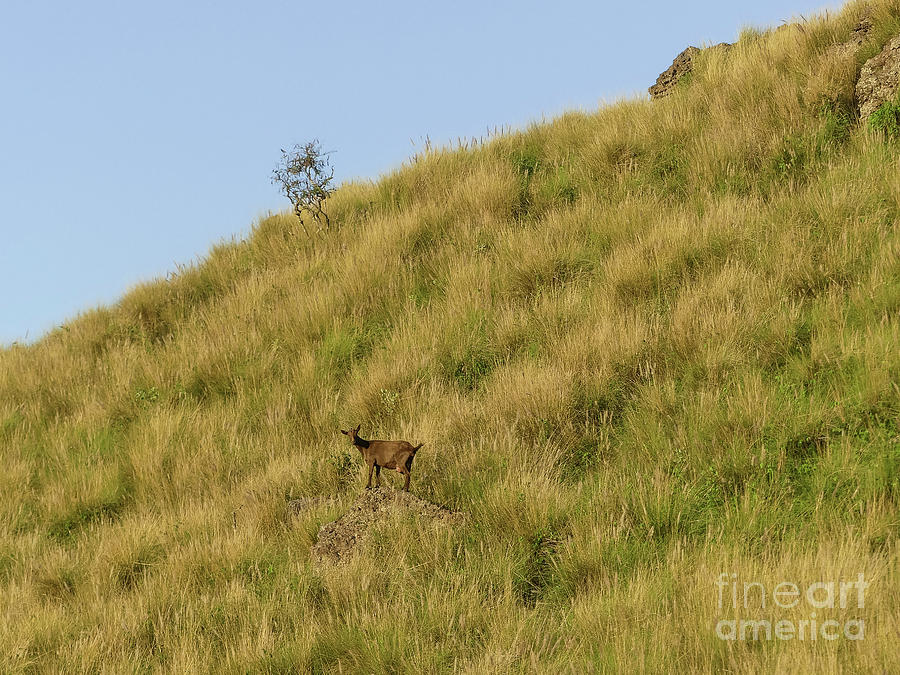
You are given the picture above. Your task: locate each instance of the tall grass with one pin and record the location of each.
(645, 346)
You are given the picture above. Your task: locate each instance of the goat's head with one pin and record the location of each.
(352, 433)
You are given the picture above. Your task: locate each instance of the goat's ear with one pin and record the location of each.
(343, 432)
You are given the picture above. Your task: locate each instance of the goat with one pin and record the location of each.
(388, 454)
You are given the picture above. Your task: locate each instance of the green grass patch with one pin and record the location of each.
(108, 505)
(886, 119)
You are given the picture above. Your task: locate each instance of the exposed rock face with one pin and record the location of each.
(857, 37)
(859, 34)
(681, 66)
(337, 540)
(878, 79)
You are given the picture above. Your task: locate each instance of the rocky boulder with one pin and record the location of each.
(878, 79)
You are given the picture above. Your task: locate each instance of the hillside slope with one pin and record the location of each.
(646, 347)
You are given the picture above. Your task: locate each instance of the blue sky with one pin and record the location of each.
(133, 136)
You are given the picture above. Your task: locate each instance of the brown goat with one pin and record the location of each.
(388, 454)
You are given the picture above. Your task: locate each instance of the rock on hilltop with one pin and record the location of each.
(681, 66)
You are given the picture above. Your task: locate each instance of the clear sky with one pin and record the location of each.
(134, 135)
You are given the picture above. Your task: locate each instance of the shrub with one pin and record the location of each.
(305, 175)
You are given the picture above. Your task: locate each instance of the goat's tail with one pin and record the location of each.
(416, 449)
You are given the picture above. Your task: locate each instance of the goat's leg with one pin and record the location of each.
(371, 468)
(405, 473)
(377, 476)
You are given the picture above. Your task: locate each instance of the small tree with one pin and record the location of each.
(304, 175)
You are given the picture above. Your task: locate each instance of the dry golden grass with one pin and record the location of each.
(644, 346)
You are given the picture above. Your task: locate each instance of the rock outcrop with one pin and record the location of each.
(684, 62)
(337, 540)
(878, 79)
(681, 66)
(859, 34)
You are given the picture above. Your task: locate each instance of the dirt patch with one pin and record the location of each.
(337, 540)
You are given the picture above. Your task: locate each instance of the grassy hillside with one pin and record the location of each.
(645, 347)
